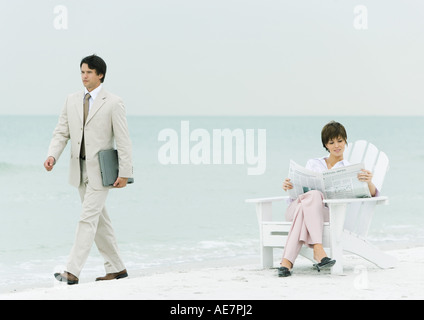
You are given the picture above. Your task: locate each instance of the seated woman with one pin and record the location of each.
(308, 213)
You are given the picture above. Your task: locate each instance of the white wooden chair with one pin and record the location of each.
(349, 218)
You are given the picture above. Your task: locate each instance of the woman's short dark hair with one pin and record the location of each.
(95, 63)
(332, 130)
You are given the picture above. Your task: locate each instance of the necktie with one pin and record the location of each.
(86, 107)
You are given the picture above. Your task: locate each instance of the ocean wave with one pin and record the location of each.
(6, 167)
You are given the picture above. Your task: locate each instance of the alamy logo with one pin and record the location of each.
(60, 21)
(222, 146)
(360, 22)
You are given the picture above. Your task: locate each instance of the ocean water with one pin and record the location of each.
(185, 213)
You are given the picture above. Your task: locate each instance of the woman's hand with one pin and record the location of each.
(366, 176)
(287, 185)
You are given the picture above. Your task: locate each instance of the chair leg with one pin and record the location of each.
(267, 257)
(337, 219)
(366, 250)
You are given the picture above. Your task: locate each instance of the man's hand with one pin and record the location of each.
(120, 182)
(49, 163)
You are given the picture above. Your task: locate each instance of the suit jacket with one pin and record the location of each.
(105, 127)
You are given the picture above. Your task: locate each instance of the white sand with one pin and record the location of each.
(247, 281)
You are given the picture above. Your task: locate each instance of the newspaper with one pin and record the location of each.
(339, 183)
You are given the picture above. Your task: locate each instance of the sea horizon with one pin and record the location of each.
(182, 213)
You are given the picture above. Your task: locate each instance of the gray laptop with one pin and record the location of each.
(109, 167)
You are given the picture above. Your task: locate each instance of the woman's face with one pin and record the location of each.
(336, 146)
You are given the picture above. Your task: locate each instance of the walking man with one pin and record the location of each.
(93, 120)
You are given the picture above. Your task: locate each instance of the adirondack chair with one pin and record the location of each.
(349, 223)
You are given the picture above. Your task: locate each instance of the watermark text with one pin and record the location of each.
(221, 146)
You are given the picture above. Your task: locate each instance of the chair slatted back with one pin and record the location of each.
(376, 161)
(359, 215)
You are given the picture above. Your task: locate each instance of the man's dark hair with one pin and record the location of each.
(95, 63)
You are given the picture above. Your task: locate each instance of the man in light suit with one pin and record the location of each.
(93, 120)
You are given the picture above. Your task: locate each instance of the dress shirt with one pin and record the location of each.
(319, 164)
(93, 95)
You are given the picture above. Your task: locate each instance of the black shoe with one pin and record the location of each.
(325, 263)
(283, 272)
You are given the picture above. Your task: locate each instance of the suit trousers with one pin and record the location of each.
(94, 226)
(308, 215)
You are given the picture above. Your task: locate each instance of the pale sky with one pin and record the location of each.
(218, 57)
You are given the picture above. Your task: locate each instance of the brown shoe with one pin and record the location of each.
(112, 276)
(66, 277)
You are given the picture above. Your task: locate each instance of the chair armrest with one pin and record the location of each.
(264, 207)
(271, 199)
(377, 200)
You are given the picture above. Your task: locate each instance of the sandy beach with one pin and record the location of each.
(245, 280)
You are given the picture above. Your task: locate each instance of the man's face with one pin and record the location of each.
(89, 77)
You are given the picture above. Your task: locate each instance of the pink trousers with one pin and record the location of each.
(308, 215)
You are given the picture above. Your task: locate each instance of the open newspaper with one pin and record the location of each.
(339, 183)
